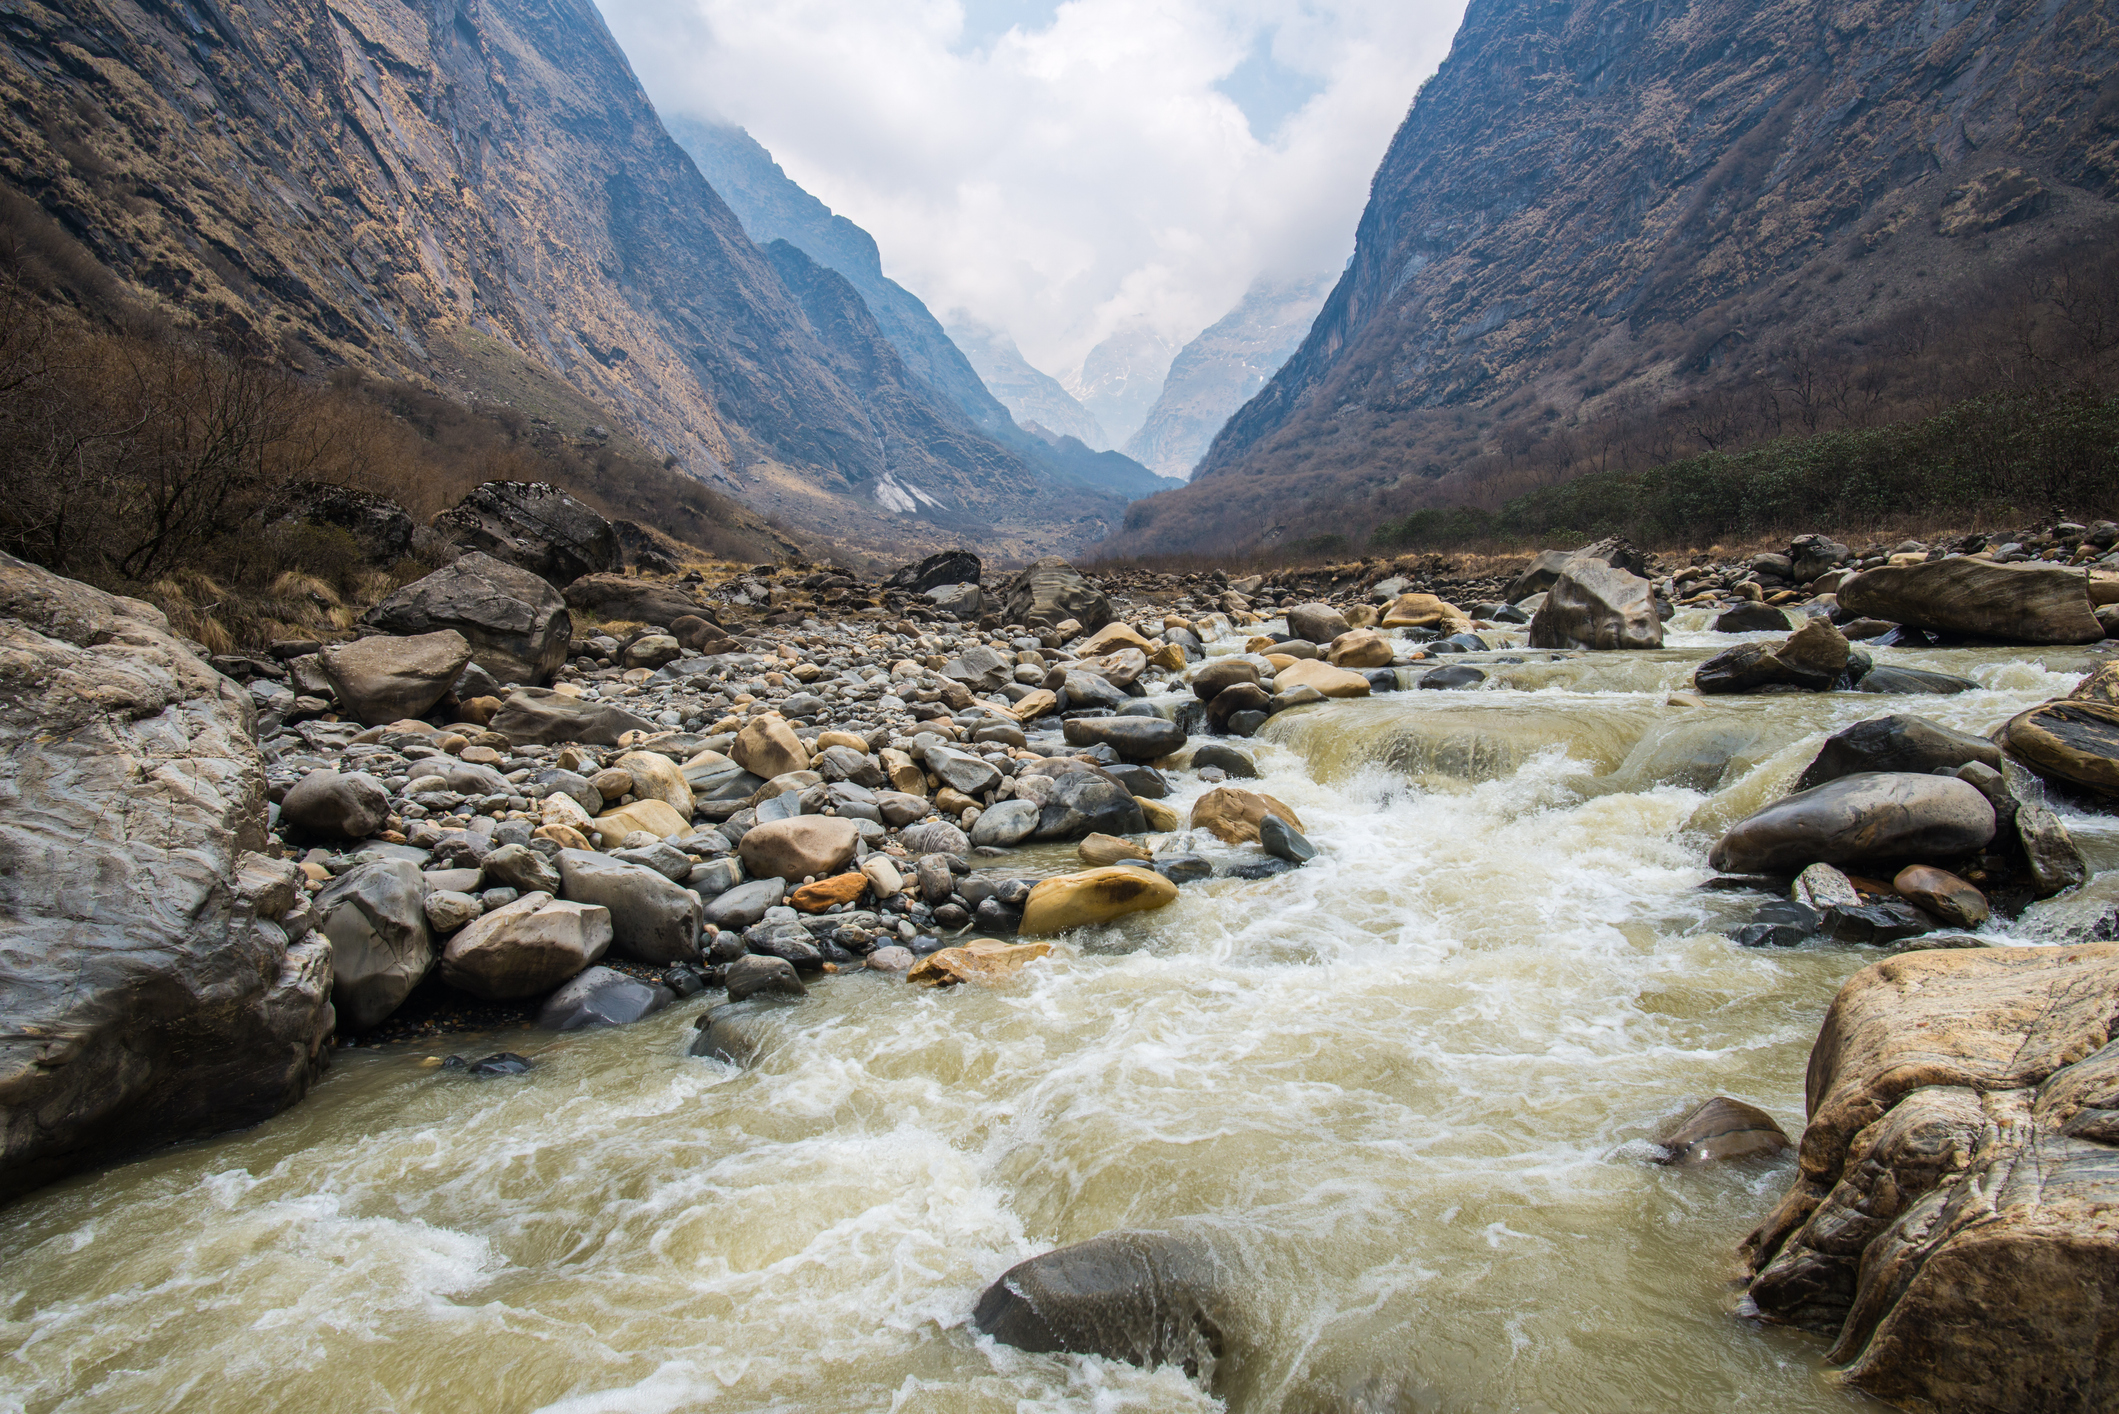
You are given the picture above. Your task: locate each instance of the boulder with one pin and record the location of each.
(825, 893)
(1951, 1223)
(651, 650)
(534, 527)
(1753, 617)
(744, 904)
(1100, 851)
(768, 747)
(1810, 659)
(942, 567)
(1720, 1130)
(700, 636)
(1943, 894)
(658, 819)
(1220, 673)
(1133, 738)
(1593, 605)
(381, 527)
(981, 669)
(1008, 823)
(1232, 815)
(602, 997)
(819, 845)
(516, 624)
(1913, 682)
(935, 837)
(656, 777)
(1226, 759)
(146, 995)
(1049, 593)
(380, 679)
(1812, 555)
(537, 716)
(1873, 816)
(381, 945)
(961, 771)
(1360, 648)
(2014, 603)
(2070, 741)
(1425, 611)
(1895, 743)
(526, 947)
(980, 960)
(1283, 841)
(1147, 1298)
(1451, 679)
(653, 919)
(1085, 803)
(1316, 623)
(1235, 700)
(1093, 896)
(330, 805)
(1548, 565)
(754, 973)
(617, 598)
(1331, 681)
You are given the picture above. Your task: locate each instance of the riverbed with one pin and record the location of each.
(1408, 1093)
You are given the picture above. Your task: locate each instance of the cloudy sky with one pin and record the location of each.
(1059, 170)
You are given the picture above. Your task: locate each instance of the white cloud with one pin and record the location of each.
(1061, 170)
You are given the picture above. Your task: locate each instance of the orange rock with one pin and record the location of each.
(839, 888)
(980, 960)
(1232, 815)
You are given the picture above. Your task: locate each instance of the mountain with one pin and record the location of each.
(1218, 372)
(1120, 378)
(772, 206)
(1030, 394)
(477, 198)
(1594, 206)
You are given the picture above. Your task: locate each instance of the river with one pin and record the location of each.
(1407, 1092)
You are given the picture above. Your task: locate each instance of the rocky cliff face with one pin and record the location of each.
(463, 194)
(1032, 395)
(1599, 201)
(1120, 378)
(1221, 370)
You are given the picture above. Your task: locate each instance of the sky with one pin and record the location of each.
(1062, 170)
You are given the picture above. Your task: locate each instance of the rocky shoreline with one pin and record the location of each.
(487, 812)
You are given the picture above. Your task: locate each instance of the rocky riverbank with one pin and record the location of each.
(583, 804)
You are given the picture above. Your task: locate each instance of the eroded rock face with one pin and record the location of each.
(644, 601)
(1955, 1221)
(1592, 605)
(516, 623)
(943, 567)
(382, 679)
(532, 526)
(381, 944)
(1148, 1298)
(2014, 603)
(1051, 592)
(144, 997)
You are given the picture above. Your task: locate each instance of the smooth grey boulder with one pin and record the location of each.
(980, 668)
(1134, 738)
(1753, 618)
(653, 919)
(1090, 690)
(1236, 765)
(602, 997)
(450, 909)
(1316, 623)
(663, 857)
(739, 1032)
(1913, 681)
(749, 975)
(1277, 837)
(517, 625)
(714, 878)
(1872, 816)
(1147, 1298)
(381, 946)
(744, 904)
(715, 778)
(645, 601)
(1086, 803)
(843, 763)
(144, 997)
(526, 947)
(533, 526)
(571, 784)
(1051, 592)
(518, 867)
(329, 805)
(1899, 742)
(1212, 677)
(973, 775)
(1810, 660)
(1592, 605)
(1008, 823)
(2014, 603)
(539, 716)
(381, 679)
(934, 837)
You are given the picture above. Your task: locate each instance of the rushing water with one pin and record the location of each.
(1407, 1092)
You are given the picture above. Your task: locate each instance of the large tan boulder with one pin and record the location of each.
(1093, 896)
(654, 816)
(527, 947)
(980, 960)
(1313, 672)
(767, 746)
(1360, 648)
(2015, 603)
(656, 777)
(1954, 1223)
(1426, 611)
(1231, 814)
(2075, 741)
(380, 679)
(1109, 639)
(1592, 605)
(805, 846)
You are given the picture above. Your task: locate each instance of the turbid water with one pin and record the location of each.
(1407, 1093)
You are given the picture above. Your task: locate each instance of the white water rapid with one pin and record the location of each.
(1408, 1091)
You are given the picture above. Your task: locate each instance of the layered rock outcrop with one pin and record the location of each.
(147, 990)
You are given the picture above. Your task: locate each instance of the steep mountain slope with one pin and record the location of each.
(773, 207)
(470, 195)
(1219, 371)
(1603, 202)
(1031, 394)
(1120, 378)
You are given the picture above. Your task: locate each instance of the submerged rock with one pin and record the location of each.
(1147, 1298)
(602, 997)
(1810, 660)
(1720, 1130)
(1232, 815)
(1093, 896)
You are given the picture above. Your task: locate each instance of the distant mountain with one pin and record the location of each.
(1032, 395)
(1114, 472)
(1119, 380)
(479, 199)
(1594, 208)
(1218, 372)
(773, 207)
